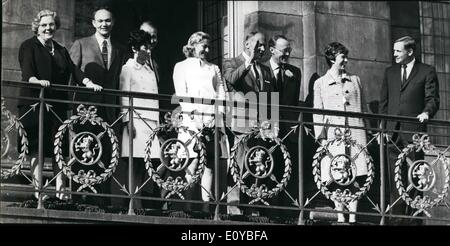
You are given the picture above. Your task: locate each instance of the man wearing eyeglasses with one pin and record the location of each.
(288, 80)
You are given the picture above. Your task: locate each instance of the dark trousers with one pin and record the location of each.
(392, 194)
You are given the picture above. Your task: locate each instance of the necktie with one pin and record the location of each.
(404, 74)
(280, 78)
(256, 74)
(105, 53)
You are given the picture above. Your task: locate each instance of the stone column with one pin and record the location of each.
(16, 28)
(363, 27)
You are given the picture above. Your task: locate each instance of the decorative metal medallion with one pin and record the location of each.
(342, 169)
(175, 157)
(422, 175)
(8, 122)
(86, 149)
(259, 163)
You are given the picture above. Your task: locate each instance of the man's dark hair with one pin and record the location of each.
(273, 40)
(102, 7)
(409, 42)
(332, 50)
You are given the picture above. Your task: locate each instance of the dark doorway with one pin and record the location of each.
(175, 22)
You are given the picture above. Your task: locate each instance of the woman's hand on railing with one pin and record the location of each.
(42, 82)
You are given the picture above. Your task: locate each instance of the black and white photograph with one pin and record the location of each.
(223, 117)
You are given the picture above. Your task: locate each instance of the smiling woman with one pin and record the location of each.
(196, 77)
(44, 61)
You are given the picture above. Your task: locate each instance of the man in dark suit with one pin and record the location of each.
(101, 59)
(410, 88)
(288, 81)
(246, 78)
(149, 28)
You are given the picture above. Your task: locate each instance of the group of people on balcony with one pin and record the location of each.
(409, 88)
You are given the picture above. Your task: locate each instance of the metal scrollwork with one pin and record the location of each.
(86, 149)
(175, 157)
(342, 169)
(9, 122)
(421, 175)
(259, 163)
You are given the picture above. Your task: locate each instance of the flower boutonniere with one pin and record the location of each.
(288, 73)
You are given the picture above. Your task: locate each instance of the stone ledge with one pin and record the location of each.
(48, 216)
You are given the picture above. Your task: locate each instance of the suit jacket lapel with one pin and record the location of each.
(413, 73)
(97, 51)
(113, 53)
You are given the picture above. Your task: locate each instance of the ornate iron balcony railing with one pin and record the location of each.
(267, 164)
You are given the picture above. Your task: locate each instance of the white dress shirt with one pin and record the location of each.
(275, 67)
(409, 68)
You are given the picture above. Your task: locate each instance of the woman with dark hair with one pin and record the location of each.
(196, 77)
(44, 61)
(137, 75)
(338, 90)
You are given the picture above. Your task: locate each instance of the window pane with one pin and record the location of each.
(427, 26)
(428, 46)
(426, 9)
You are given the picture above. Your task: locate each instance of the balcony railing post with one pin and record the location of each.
(40, 149)
(216, 160)
(382, 172)
(130, 156)
(301, 220)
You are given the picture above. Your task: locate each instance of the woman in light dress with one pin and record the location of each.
(138, 76)
(338, 90)
(196, 77)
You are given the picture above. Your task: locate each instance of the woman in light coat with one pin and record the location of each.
(196, 77)
(337, 90)
(137, 76)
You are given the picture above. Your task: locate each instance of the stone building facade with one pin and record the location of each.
(367, 28)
